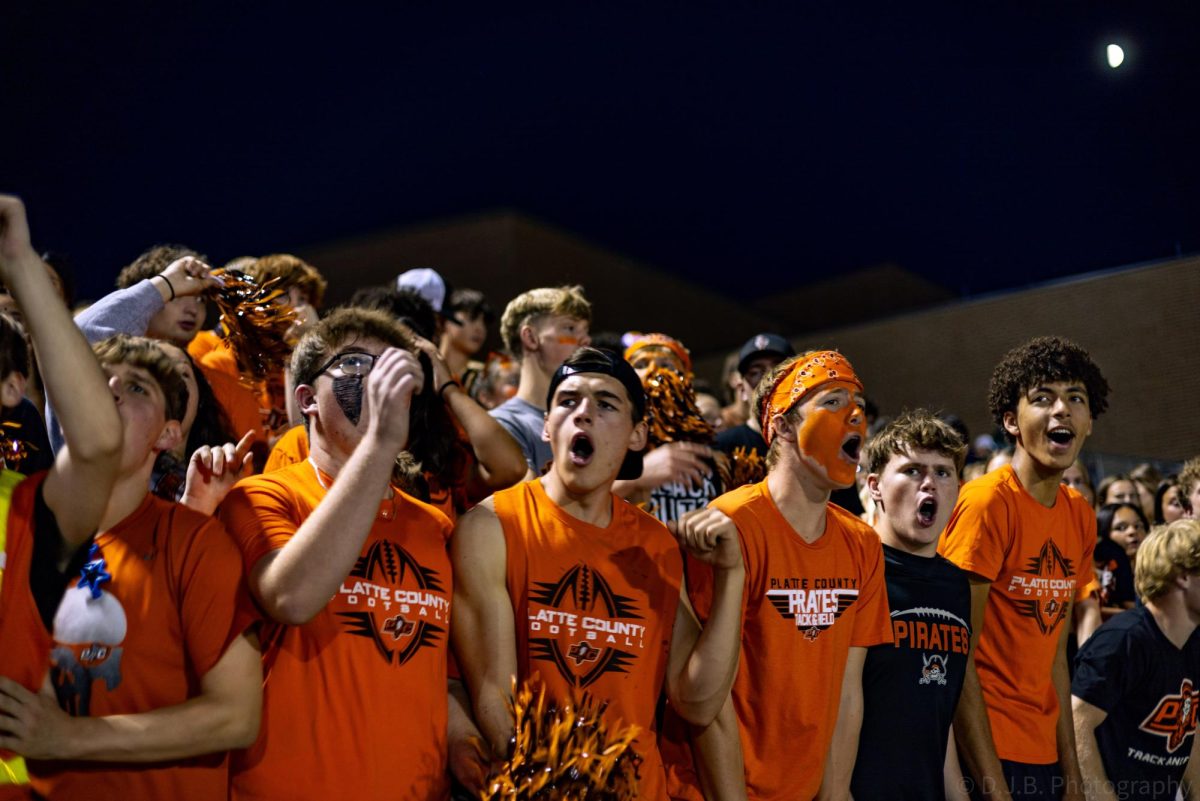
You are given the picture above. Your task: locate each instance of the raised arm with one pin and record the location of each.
(701, 665)
(482, 626)
(296, 581)
(499, 460)
(224, 715)
(78, 486)
(972, 729)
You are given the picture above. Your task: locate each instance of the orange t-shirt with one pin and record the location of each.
(1037, 559)
(805, 605)
(594, 607)
(355, 700)
(175, 601)
(24, 642)
(291, 448)
(203, 342)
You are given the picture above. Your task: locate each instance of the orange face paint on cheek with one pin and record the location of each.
(568, 340)
(820, 440)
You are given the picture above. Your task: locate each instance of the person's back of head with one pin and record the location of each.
(405, 305)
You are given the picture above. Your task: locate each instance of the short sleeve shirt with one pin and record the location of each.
(525, 422)
(1151, 692)
(1038, 559)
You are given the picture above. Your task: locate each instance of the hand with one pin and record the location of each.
(469, 764)
(15, 246)
(189, 276)
(212, 472)
(676, 461)
(32, 724)
(711, 537)
(387, 396)
(441, 372)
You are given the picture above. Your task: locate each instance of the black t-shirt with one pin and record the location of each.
(911, 688)
(742, 436)
(1150, 690)
(1114, 574)
(23, 441)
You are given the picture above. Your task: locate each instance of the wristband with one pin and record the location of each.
(170, 286)
(442, 388)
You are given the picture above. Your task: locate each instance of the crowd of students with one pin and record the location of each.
(305, 555)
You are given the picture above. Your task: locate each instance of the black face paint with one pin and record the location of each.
(348, 392)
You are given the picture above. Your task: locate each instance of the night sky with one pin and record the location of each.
(983, 146)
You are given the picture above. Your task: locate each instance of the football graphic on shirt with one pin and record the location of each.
(88, 632)
(1174, 717)
(584, 628)
(395, 602)
(1045, 590)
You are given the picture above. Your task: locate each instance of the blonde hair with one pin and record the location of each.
(762, 397)
(1188, 477)
(1169, 552)
(530, 306)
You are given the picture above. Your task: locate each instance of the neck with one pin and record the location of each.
(454, 358)
(1172, 617)
(888, 536)
(1039, 481)
(324, 454)
(127, 495)
(534, 382)
(801, 501)
(592, 506)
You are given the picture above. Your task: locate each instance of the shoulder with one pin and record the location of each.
(745, 497)
(418, 512)
(989, 490)
(1116, 633)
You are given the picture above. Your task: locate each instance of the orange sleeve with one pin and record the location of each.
(873, 621)
(215, 604)
(261, 516)
(978, 534)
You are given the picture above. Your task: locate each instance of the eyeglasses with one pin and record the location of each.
(347, 363)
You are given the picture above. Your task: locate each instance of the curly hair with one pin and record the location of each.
(1169, 552)
(1189, 476)
(1044, 360)
(291, 271)
(434, 448)
(153, 262)
(919, 430)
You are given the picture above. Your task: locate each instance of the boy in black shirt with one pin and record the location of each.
(1136, 691)
(911, 687)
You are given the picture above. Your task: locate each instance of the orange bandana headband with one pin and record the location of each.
(660, 341)
(805, 374)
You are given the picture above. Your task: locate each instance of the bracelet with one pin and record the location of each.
(169, 286)
(442, 388)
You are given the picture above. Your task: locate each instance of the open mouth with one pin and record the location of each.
(187, 325)
(927, 512)
(581, 449)
(1061, 435)
(852, 446)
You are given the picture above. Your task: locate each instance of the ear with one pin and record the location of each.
(306, 400)
(529, 338)
(873, 488)
(171, 436)
(783, 427)
(639, 436)
(1010, 424)
(12, 390)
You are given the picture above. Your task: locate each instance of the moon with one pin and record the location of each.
(1116, 56)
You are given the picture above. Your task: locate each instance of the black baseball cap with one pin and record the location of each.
(764, 345)
(592, 360)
